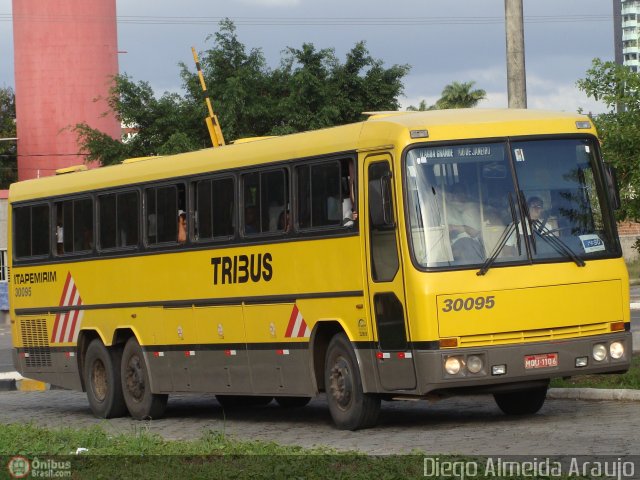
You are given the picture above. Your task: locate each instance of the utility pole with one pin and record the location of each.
(516, 75)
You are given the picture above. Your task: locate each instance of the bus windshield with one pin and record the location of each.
(477, 204)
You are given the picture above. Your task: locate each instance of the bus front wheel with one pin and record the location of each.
(141, 402)
(102, 380)
(525, 402)
(350, 407)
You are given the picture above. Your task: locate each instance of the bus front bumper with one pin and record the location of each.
(492, 368)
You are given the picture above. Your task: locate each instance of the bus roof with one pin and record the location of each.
(380, 129)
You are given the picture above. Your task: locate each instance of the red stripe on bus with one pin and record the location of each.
(292, 321)
(64, 295)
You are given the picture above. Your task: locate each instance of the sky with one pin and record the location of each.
(442, 40)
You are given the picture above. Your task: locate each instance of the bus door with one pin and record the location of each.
(386, 286)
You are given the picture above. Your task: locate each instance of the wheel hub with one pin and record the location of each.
(99, 380)
(341, 383)
(135, 378)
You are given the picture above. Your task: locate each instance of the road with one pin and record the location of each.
(467, 426)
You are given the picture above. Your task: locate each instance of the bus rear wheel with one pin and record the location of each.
(525, 402)
(102, 380)
(141, 402)
(350, 407)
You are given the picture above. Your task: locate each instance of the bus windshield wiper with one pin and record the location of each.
(502, 241)
(557, 244)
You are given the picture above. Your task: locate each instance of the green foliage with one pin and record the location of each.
(144, 455)
(454, 95)
(619, 129)
(8, 149)
(310, 89)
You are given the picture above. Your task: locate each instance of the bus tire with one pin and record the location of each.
(102, 380)
(141, 402)
(524, 402)
(350, 407)
(293, 402)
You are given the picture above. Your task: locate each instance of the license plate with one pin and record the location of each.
(543, 360)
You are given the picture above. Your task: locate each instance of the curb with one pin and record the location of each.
(594, 394)
(11, 381)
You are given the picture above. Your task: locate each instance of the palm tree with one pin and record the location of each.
(420, 108)
(460, 95)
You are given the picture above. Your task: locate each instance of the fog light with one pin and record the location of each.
(582, 362)
(498, 370)
(452, 365)
(616, 350)
(599, 352)
(474, 363)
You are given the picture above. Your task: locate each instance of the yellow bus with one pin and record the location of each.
(412, 255)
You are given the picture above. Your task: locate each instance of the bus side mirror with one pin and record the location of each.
(380, 203)
(611, 177)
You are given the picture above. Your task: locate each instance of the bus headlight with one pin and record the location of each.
(453, 365)
(474, 364)
(599, 352)
(616, 350)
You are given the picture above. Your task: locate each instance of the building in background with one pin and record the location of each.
(65, 56)
(626, 24)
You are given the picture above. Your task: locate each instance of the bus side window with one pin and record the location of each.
(74, 226)
(118, 214)
(31, 231)
(162, 206)
(266, 202)
(214, 208)
(321, 194)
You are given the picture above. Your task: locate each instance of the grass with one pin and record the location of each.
(141, 454)
(630, 379)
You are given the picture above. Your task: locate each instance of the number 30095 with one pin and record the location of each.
(469, 303)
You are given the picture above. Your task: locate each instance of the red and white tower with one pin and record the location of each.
(66, 53)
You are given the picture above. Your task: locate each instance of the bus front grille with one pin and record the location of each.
(541, 335)
(36, 342)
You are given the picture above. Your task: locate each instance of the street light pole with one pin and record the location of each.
(516, 75)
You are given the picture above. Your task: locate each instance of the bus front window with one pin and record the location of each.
(465, 210)
(562, 178)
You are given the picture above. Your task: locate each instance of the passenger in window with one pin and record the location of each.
(535, 205)
(536, 213)
(87, 239)
(251, 220)
(349, 210)
(463, 218)
(182, 227)
(60, 238)
(284, 221)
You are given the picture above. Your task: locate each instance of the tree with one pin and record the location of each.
(460, 95)
(454, 95)
(8, 148)
(422, 107)
(310, 89)
(619, 129)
